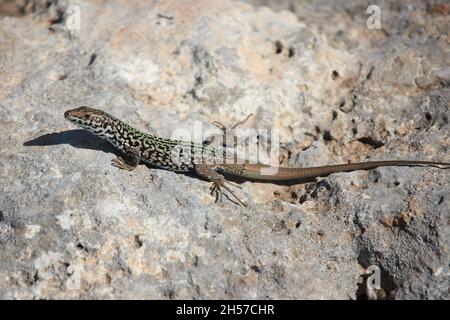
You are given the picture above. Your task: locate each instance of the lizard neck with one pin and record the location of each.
(119, 134)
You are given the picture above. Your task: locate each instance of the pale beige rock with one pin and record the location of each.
(72, 226)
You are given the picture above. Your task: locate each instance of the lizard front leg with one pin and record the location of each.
(218, 181)
(130, 161)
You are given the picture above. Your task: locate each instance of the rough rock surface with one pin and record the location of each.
(72, 226)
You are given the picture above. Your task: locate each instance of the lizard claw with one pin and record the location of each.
(121, 164)
(216, 188)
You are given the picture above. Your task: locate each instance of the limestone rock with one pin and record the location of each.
(72, 226)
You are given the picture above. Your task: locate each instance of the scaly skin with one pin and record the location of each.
(204, 160)
(153, 150)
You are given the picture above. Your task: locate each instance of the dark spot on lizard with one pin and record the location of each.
(441, 199)
(428, 116)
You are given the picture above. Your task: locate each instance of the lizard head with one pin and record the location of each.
(88, 118)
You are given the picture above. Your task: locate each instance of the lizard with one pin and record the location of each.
(205, 161)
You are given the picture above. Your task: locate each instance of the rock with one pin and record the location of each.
(19, 8)
(72, 226)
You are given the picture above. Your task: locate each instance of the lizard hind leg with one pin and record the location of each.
(228, 136)
(218, 182)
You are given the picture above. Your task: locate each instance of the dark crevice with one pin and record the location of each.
(370, 258)
(369, 74)
(81, 247)
(334, 75)
(92, 59)
(162, 16)
(303, 198)
(327, 136)
(278, 47)
(317, 129)
(334, 114)
(255, 268)
(291, 52)
(59, 18)
(371, 142)
(138, 241)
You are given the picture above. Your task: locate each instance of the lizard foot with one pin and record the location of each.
(121, 164)
(130, 161)
(216, 188)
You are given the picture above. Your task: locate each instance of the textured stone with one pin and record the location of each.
(72, 226)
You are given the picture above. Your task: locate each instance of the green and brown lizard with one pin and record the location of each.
(206, 161)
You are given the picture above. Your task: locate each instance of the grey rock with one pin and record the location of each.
(72, 226)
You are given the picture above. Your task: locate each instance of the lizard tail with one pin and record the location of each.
(265, 172)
